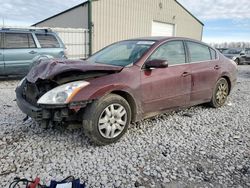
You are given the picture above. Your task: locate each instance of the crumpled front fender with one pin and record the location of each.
(94, 92)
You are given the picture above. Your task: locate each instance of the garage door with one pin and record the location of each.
(162, 29)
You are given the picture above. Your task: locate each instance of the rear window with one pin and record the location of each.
(47, 41)
(198, 52)
(19, 40)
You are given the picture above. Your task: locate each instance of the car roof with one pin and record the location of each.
(16, 30)
(156, 38)
(163, 38)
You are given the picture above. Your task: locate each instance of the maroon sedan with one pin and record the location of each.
(126, 82)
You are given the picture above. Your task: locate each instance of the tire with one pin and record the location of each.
(107, 119)
(237, 61)
(220, 93)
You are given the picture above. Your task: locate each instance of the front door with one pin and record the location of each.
(165, 88)
(19, 52)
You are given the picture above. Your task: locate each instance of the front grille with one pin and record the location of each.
(31, 93)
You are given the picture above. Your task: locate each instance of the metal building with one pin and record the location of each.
(113, 20)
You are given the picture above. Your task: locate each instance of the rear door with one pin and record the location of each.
(1, 56)
(49, 45)
(205, 68)
(165, 88)
(19, 52)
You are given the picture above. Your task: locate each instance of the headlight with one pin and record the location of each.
(233, 58)
(62, 94)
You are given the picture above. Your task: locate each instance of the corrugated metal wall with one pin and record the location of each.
(75, 40)
(116, 20)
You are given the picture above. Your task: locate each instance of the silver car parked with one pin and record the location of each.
(20, 48)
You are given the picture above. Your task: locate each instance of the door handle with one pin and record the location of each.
(32, 52)
(216, 67)
(184, 74)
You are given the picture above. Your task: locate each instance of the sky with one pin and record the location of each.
(224, 20)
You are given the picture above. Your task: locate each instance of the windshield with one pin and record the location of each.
(122, 53)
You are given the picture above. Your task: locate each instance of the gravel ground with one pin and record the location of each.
(196, 147)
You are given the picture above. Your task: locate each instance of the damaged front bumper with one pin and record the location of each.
(27, 108)
(47, 113)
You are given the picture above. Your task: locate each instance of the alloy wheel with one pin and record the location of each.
(222, 92)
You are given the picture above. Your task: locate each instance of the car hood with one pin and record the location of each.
(48, 69)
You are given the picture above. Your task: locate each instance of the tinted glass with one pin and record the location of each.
(198, 52)
(16, 40)
(47, 41)
(247, 52)
(173, 52)
(213, 53)
(122, 53)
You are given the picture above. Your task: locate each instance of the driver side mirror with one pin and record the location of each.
(156, 63)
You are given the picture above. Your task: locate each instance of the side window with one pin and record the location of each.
(213, 53)
(16, 40)
(47, 41)
(172, 51)
(198, 52)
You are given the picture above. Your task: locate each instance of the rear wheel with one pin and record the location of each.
(106, 120)
(220, 93)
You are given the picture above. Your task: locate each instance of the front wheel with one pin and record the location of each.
(220, 93)
(237, 61)
(107, 119)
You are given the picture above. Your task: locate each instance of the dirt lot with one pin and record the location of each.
(196, 147)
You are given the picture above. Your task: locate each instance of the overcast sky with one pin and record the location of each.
(225, 20)
(28, 12)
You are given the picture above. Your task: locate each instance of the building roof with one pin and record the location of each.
(86, 1)
(189, 12)
(67, 10)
